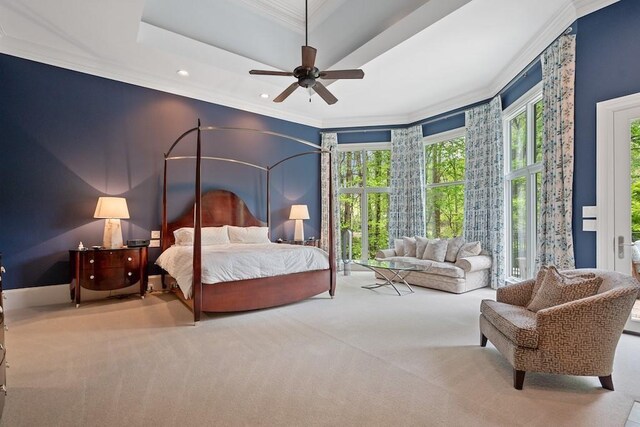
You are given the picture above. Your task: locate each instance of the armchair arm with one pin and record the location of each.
(590, 326)
(474, 263)
(385, 253)
(517, 293)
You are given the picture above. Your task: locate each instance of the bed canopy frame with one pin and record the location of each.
(260, 293)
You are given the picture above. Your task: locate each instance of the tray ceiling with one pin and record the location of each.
(420, 57)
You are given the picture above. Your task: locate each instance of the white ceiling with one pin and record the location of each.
(420, 57)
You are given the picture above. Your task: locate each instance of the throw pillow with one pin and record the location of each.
(421, 245)
(409, 246)
(248, 234)
(558, 289)
(398, 245)
(436, 250)
(469, 249)
(543, 271)
(453, 247)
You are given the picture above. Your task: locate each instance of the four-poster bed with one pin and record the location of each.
(222, 208)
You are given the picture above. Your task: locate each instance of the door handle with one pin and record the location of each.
(621, 245)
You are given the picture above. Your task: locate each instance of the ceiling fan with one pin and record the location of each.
(308, 74)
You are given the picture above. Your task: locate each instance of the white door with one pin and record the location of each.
(619, 209)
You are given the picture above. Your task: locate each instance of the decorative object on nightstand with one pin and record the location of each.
(311, 241)
(107, 270)
(298, 213)
(112, 209)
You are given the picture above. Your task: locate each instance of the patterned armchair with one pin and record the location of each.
(575, 338)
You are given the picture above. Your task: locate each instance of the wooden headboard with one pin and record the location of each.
(219, 207)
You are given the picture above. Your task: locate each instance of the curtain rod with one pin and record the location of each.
(513, 81)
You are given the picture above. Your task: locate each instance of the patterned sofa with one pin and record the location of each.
(578, 337)
(463, 275)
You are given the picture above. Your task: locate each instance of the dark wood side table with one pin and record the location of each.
(107, 269)
(308, 242)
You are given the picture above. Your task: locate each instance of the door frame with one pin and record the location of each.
(605, 183)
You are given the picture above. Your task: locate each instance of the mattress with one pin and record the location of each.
(241, 261)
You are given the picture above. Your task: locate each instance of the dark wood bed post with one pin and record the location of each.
(269, 200)
(332, 255)
(197, 247)
(164, 217)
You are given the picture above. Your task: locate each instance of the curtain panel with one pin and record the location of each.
(330, 142)
(407, 198)
(555, 236)
(484, 184)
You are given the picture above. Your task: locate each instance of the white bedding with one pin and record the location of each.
(239, 261)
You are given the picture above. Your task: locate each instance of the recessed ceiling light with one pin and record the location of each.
(264, 95)
(183, 73)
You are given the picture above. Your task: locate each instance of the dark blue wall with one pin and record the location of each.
(68, 138)
(607, 66)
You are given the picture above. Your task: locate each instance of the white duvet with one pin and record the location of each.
(239, 261)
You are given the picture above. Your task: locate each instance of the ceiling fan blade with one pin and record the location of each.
(342, 74)
(271, 73)
(285, 94)
(308, 57)
(324, 93)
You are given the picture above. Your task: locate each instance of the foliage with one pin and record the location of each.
(635, 180)
(444, 174)
(364, 177)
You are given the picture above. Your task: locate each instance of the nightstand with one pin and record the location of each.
(107, 270)
(308, 242)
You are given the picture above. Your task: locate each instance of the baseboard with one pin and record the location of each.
(59, 294)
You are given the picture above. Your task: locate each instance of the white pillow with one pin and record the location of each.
(421, 245)
(209, 236)
(469, 249)
(248, 234)
(183, 236)
(398, 244)
(409, 246)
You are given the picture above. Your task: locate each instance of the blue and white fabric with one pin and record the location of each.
(407, 198)
(555, 238)
(484, 184)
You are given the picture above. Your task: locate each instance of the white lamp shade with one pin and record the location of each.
(112, 207)
(299, 212)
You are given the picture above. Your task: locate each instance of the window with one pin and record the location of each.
(364, 196)
(523, 175)
(444, 176)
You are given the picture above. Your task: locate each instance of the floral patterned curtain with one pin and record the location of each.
(407, 198)
(555, 238)
(484, 184)
(330, 142)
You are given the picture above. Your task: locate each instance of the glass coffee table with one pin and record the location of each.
(391, 271)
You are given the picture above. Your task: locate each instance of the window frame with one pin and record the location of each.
(438, 138)
(363, 191)
(526, 103)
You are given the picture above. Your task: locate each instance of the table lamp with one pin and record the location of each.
(299, 212)
(112, 209)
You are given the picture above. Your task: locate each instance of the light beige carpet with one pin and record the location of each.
(365, 358)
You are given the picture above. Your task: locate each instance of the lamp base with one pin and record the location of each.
(112, 237)
(299, 231)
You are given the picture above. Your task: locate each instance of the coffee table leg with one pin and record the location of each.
(389, 282)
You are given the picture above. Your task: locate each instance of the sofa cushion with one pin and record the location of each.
(398, 245)
(436, 250)
(409, 246)
(440, 268)
(453, 246)
(421, 245)
(516, 323)
(469, 249)
(558, 289)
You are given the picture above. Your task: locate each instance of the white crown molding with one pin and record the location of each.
(116, 71)
(416, 116)
(284, 12)
(585, 7)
